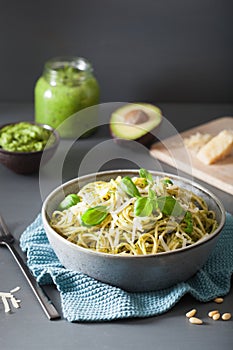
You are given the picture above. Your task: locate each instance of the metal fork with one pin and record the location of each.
(7, 239)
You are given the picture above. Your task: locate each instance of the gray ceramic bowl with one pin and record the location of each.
(132, 273)
(28, 162)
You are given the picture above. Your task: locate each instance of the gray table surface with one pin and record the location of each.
(21, 199)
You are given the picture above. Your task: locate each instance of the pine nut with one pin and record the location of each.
(212, 313)
(226, 316)
(216, 316)
(191, 313)
(195, 320)
(218, 300)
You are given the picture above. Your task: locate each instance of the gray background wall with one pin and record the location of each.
(141, 50)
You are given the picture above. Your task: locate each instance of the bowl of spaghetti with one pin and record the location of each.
(138, 230)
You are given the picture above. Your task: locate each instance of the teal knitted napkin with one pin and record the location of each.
(86, 299)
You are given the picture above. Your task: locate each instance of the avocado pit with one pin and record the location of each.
(136, 116)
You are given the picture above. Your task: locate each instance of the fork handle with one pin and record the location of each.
(45, 303)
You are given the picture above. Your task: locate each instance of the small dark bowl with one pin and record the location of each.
(29, 162)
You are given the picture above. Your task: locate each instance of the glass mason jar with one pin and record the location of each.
(66, 86)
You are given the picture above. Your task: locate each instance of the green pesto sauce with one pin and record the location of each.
(24, 137)
(55, 103)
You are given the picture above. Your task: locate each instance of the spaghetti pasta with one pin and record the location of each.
(150, 216)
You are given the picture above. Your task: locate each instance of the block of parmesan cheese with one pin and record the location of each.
(196, 141)
(217, 148)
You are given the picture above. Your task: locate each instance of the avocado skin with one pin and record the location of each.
(146, 140)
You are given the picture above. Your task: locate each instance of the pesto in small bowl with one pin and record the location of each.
(24, 137)
(22, 145)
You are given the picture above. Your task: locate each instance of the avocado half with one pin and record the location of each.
(135, 121)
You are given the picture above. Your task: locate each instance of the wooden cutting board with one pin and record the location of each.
(173, 152)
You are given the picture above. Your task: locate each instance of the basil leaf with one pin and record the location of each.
(189, 222)
(94, 216)
(167, 181)
(143, 207)
(152, 194)
(169, 206)
(129, 187)
(153, 198)
(145, 173)
(69, 201)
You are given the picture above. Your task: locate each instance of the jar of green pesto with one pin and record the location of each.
(66, 86)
